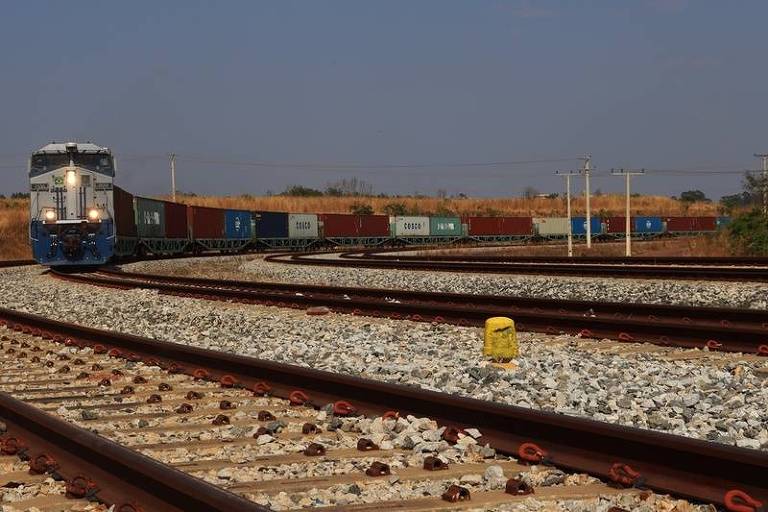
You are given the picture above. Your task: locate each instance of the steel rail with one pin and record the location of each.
(756, 274)
(16, 263)
(757, 261)
(732, 330)
(689, 468)
(106, 471)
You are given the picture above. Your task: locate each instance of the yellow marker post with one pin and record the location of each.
(500, 339)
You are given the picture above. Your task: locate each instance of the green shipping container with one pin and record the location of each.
(150, 218)
(444, 226)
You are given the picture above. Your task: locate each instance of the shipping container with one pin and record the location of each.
(690, 224)
(411, 226)
(237, 224)
(618, 224)
(270, 224)
(706, 223)
(445, 226)
(340, 225)
(722, 222)
(647, 225)
(302, 225)
(206, 223)
(150, 217)
(499, 226)
(125, 216)
(579, 225)
(549, 226)
(374, 225)
(176, 220)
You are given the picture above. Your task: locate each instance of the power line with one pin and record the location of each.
(340, 166)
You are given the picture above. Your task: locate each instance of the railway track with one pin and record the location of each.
(398, 254)
(733, 330)
(245, 425)
(705, 272)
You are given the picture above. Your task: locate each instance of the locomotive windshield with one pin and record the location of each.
(97, 162)
(48, 162)
(94, 162)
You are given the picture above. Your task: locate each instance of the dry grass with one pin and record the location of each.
(601, 205)
(14, 219)
(703, 245)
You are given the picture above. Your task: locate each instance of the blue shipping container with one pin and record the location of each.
(237, 224)
(579, 225)
(648, 225)
(271, 224)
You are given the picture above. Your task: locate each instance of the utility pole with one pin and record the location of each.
(567, 175)
(173, 176)
(585, 170)
(764, 158)
(627, 173)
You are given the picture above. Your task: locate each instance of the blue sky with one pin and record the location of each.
(659, 84)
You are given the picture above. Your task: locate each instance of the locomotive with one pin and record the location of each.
(71, 208)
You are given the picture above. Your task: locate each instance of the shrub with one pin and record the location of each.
(749, 232)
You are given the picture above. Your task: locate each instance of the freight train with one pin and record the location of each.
(80, 217)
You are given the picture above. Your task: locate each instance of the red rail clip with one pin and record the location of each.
(531, 452)
(623, 474)
(762, 350)
(343, 408)
(228, 381)
(42, 464)
(713, 345)
(201, 373)
(80, 487)
(261, 388)
(390, 415)
(623, 336)
(298, 398)
(737, 500)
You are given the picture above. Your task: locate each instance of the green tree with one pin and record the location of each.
(691, 196)
(395, 209)
(359, 208)
(301, 191)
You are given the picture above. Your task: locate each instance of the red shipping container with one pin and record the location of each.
(706, 223)
(374, 225)
(125, 216)
(681, 224)
(340, 225)
(175, 220)
(619, 224)
(499, 226)
(206, 223)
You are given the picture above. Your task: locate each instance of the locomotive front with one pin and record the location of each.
(71, 205)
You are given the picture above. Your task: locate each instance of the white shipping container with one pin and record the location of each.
(302, 225)
(411, 226)
(551, 225)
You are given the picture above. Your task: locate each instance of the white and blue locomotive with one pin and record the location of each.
(71, 204)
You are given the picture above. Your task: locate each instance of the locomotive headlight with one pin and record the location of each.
(93, 214)
(50, 215)
(71, 178)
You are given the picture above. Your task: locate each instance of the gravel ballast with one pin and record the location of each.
(719, 402)
(653, 291)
